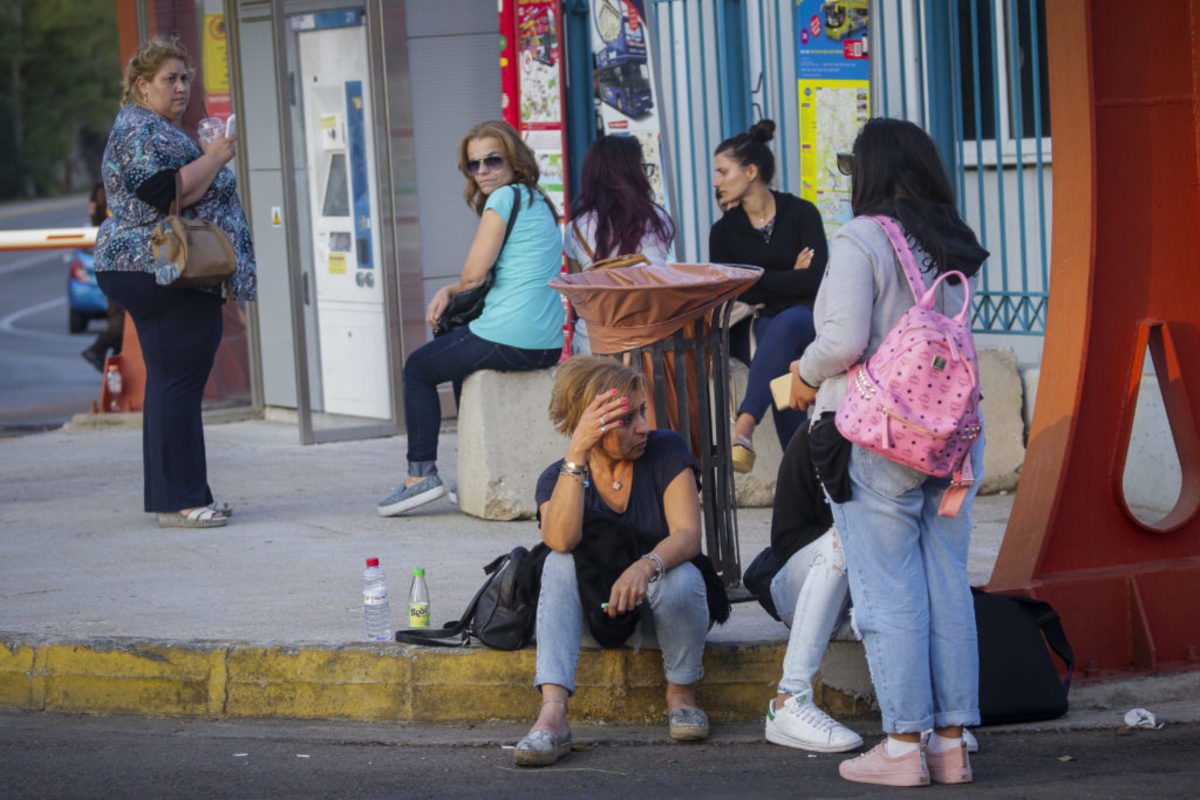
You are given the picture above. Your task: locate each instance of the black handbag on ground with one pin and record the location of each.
(466, 306)
(503, 613)
(1017, 678)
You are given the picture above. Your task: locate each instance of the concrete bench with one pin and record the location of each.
(505, 438)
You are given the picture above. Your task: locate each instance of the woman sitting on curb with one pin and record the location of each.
(625, 495)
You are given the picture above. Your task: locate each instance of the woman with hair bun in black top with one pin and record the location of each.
(785, 236)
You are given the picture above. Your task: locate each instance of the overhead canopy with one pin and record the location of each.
(630, 307)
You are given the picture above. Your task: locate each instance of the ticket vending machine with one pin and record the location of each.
(350, 319)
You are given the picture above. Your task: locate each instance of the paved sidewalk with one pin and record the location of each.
(102, 611)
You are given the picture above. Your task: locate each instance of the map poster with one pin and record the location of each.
(833, 86)
(625, 95)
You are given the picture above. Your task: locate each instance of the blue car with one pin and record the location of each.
(84, 298)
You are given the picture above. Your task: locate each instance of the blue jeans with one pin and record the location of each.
(812, 596)
(781, 340)
(912, 599)
(678, 617)
(451, 358)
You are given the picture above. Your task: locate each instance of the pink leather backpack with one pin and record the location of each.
(916, 399)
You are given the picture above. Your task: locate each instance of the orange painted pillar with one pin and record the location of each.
(1125, 276)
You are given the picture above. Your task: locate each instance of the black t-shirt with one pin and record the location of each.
(666, 456)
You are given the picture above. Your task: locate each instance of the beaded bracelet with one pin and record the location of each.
(577, 471)
(659, 567)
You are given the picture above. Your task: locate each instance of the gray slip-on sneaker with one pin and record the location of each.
(688, 724)
(407, 498)
(541, 748)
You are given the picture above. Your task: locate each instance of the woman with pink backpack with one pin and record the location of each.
(907, 562)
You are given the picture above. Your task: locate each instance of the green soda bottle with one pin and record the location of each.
(418, 600)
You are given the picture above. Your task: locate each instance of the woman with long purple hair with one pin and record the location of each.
(615, 213)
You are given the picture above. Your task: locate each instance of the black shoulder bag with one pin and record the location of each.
(466, 306)
(503, 613)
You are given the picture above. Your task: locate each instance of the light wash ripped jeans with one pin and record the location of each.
(678, 616)
(812, 595)
(912, 598)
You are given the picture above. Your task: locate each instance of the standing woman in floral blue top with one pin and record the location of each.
(179, 329)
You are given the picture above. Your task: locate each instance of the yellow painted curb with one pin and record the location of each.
(368, 681)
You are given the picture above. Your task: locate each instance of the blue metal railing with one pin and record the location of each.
(989, 43)
(996, 54)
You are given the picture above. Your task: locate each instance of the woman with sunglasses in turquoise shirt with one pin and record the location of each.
(521, 324)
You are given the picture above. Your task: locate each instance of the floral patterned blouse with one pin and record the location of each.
(141, 145)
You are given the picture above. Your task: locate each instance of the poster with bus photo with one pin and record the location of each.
(833, 85)
(622, 56)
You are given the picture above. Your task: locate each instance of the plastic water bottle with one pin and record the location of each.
(112, 379)
(418, 600)
(375, 603)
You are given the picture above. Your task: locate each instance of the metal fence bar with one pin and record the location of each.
(978, 111)
(687, 49)
(782, 86)
(956, 80)
(998, 133)
(903, 66)
(675, 106)
(924, 109)
(883, 67)
(1035, 49)
(702, 158)
(1017, 93)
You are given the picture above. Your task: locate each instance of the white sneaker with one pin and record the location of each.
(802, 725)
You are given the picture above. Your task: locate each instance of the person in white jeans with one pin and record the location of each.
(812, 595)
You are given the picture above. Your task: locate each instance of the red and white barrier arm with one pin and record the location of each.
(47, 239)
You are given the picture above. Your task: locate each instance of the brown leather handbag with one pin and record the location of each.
(612, 262)
(199, 249)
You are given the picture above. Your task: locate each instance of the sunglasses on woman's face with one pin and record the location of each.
(492, 162)
(845, 163)
(650, 169)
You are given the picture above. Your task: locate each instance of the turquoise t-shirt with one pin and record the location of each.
(521, 310)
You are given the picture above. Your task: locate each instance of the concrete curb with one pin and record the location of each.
(368, 682)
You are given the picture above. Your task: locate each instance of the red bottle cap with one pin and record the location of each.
(372, 562)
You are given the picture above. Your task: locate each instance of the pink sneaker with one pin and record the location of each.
(876, 766)
(952, 766)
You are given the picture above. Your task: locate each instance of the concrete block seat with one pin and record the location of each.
(505, 438)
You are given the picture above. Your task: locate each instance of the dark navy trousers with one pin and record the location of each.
(179, 331)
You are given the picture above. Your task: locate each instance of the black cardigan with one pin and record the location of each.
(798, 224)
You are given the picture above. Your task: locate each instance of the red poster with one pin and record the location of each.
(508, 64)
(541, 113)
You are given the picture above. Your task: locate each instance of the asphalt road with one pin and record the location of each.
(44, 755)
(43, 380)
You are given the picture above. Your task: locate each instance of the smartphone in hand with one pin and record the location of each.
(231, 125)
